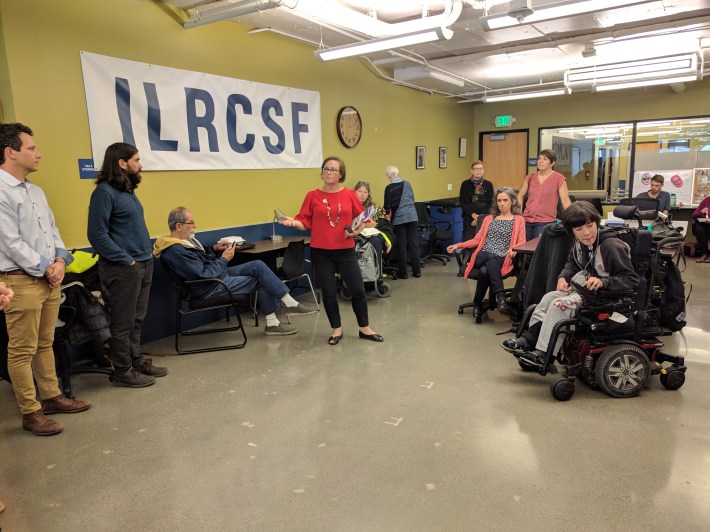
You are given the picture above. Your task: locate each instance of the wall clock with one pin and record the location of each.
(349, 126)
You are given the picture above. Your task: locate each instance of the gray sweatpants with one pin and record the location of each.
(553, 307)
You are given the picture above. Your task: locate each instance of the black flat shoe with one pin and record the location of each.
(405, 276)
(373, 337)
(417, 274)
(333, 340)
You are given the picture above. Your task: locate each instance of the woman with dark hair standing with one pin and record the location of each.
(327, 212)
(499, 233)
(544, 190)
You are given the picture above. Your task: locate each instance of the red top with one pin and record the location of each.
(542, 199)
(314, 215)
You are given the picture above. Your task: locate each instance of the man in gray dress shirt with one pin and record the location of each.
(32, 261)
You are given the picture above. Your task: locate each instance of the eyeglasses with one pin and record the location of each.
(188, 223)
(331, 170)
(477, 168)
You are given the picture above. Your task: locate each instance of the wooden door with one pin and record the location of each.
(505, 156)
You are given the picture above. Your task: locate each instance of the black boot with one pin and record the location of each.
(478, 313)
(501, 304)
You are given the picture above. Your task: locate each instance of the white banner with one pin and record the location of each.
(183, 120)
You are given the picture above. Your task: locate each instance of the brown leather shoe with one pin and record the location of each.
(61, 404)
(2, 506)
(40, 425)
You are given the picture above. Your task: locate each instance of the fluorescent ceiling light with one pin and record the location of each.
(553, 11)
(645, 83)
(525, 95)
(634, 70)
(699, 121)
(660, 132)
(653, 124)
(388, 43)
(415, 73)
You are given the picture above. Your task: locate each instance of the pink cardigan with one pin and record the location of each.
(516, 239)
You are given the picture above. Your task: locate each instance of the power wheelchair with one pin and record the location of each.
(613, 342)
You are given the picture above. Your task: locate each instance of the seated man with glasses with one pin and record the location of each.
(190, 260)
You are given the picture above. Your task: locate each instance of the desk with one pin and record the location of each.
(270, 246)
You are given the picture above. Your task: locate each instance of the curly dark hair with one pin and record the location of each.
(10, 137)
(112, 173)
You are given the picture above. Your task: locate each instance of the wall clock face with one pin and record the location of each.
(349, 126)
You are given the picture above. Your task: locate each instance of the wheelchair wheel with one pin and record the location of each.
(672, 378)
(383, 288)
(345, 293)
(622, 370)
(562, 389)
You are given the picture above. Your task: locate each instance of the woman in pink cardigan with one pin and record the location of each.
(500, 232)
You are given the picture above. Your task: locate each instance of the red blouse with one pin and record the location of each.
(316, 216)
(542, 199)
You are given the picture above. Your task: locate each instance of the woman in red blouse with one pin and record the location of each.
(544, 189)
(326, 212)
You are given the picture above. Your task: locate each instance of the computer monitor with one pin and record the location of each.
(643, 204)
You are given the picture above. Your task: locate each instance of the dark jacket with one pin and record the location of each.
(547, 262)
(193, 263)
(609, 260)
(483, 202)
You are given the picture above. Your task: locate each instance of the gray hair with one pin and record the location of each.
(391, 171)
(514, 207)
(177, 216)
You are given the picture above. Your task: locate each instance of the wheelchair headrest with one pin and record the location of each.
(625, 212)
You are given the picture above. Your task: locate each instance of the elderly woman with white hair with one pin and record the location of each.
(399, 206)
(500, 232)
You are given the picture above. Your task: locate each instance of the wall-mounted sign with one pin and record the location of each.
(86, 169)
(504, 120)
(496, 136)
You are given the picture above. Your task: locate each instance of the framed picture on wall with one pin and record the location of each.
(442, 157)
(420, 157)
(462, 147)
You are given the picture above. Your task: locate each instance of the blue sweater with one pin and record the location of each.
(117, 229)
(399, 202)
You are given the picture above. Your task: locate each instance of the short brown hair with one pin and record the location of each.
(578, 214)
(342, 166)
(550, 154)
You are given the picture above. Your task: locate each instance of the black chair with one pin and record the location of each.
(187, 305)
(643, 204)
(488, 304)
(431, 232)
(293, 268)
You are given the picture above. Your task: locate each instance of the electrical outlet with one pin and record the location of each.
(449, 187)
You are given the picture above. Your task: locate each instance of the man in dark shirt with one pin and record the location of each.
(655, 192)
(475, 198)
(118, 233)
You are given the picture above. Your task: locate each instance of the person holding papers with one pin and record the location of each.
(328, 213)
(701, 229)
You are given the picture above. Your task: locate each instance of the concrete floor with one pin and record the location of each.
(436, 429)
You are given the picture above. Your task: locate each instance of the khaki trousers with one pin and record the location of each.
(31, 319)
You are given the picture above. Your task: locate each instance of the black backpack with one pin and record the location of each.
(669, 285)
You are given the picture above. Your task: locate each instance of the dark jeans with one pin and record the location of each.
(326, 262)
(534, 229)
(702, 232)
(254, 276)
(488, 266)
(126, 290)
(407, 244)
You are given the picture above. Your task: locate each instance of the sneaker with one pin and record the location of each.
(515, 345)
(40, 425)
(146, 367)
(279, 330)
(535, 360)
(131, 379)
(61, 404)
(300, 310)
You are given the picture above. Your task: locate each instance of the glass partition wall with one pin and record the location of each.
(612, 161)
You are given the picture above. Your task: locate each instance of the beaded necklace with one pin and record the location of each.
(327, 207)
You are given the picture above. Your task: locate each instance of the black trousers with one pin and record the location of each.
(126, 289)
(326, 262)
(488, 266)
(469, 231)
(407, 245)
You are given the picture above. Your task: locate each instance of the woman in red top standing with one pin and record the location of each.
(544, 189)
(326, 211)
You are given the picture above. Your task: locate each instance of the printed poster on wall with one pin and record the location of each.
(701, 185)
(678, 182)
(184, 120)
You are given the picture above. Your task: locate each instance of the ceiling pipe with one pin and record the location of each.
(371, 26)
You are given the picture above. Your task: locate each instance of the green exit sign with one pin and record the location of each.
(600, 142)
(504, 121)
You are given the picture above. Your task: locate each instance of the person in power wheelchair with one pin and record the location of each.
(594, 263)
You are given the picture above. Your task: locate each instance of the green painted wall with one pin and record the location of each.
(43, 38)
